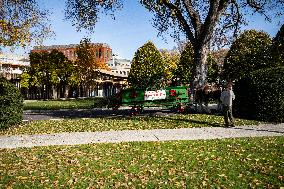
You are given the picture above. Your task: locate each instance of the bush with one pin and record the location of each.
(11, 106)
(261, 95)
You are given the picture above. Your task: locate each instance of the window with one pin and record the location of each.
(100, 53)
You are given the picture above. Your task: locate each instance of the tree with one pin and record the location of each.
(171, 59)
(250, 52)
(63, 71)
(49, 71)
(199, 21)
(185, 66)
(86, 61)
(278, 47)
(87, 64)
(22, 22)
(213, 73)
(147, 68)
(215, 61)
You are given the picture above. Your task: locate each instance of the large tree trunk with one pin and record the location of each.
(54, 92)
(201, 55)
(199, 71)
(66, 92)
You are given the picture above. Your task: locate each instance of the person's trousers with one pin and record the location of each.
(227, 110)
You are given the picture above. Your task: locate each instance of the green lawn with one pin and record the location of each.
(122, 123)
(61, 104)
(230, 163)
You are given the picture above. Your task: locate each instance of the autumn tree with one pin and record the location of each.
(147, 68)
(87, 63)
(202, 22)
(22, 22)
(171, 59)
(250, 52)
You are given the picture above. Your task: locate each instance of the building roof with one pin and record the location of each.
(111, 73)
(67, 46)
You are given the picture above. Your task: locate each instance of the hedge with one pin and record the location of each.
(11, 104)
(260, 95)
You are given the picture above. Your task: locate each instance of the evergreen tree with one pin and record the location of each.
(184, 69)
(147, 68)
(250, 52)
(278, 47)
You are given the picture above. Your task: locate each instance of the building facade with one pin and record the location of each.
(12, 66)
(106, 82)
(102, 51)
(120, 66)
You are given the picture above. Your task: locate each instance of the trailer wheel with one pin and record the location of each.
(135, 110)
(115, 107)
(181, 109)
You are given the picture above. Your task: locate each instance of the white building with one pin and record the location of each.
(12, 66)
(120, 65)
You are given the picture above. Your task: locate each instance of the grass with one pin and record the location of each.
(61, 104)
(229, 163)
(122, 123)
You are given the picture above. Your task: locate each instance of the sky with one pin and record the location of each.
(131, 29)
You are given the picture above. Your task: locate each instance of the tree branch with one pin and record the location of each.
(194, 16)
(238, 19)
(210, 22)
(181, 19)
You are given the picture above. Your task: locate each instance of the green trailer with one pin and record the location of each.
(176, 97)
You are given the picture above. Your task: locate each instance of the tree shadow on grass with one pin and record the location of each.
(125, 114)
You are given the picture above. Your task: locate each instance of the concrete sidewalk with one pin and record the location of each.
(76, 138)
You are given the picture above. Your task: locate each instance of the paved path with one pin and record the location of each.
(140, 135)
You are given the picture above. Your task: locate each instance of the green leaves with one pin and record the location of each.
(11, 106)
(250, 52)
(185, 66)
(278, 47)
(260, 95)
(148, 68)
(23, 22)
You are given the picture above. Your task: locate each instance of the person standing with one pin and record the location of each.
(227, 97)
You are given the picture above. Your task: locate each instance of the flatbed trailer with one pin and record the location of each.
(176, 98)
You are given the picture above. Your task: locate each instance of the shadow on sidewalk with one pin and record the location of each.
(260, 130)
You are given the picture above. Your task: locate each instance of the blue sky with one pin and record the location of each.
(131, 29)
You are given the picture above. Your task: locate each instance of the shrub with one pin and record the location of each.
(261, 95)
(11, 106)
